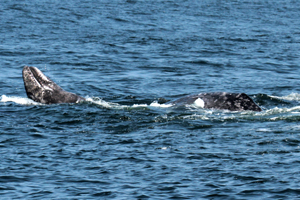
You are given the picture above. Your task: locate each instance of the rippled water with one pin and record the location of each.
(128, 58)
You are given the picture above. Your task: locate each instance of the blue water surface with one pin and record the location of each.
(129, 57)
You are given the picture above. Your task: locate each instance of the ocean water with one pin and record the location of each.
(128, 58)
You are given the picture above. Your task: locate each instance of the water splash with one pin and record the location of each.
(290, 97)
(158, 105)
(105, 104)
(18, 100)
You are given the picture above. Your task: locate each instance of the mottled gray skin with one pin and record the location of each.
(42, 89)
(220, 100)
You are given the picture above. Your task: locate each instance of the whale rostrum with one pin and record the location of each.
(42, 89)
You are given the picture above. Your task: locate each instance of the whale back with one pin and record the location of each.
(220, 100)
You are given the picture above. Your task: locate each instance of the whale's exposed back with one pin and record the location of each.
(42, 89)
(220, 100)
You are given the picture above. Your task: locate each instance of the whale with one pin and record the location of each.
(42, 89)
(218, 101)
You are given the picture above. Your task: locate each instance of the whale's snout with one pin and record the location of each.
(41, 88)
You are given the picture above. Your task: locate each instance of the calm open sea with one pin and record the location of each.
(127, 58)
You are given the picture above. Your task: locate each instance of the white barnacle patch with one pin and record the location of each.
(199, 103)
(48, 88)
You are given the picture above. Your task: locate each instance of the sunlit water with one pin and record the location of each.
(127, 58)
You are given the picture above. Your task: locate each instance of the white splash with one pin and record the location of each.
(105, 104)
(276, 110)
(139, 105)
(18, 100)
(290, 97)
(156, 104)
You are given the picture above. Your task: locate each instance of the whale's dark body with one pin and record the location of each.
(42, 89)
(220, 100)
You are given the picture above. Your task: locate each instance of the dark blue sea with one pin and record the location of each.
(129, 57)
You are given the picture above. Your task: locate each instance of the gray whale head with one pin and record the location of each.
(42, 89)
